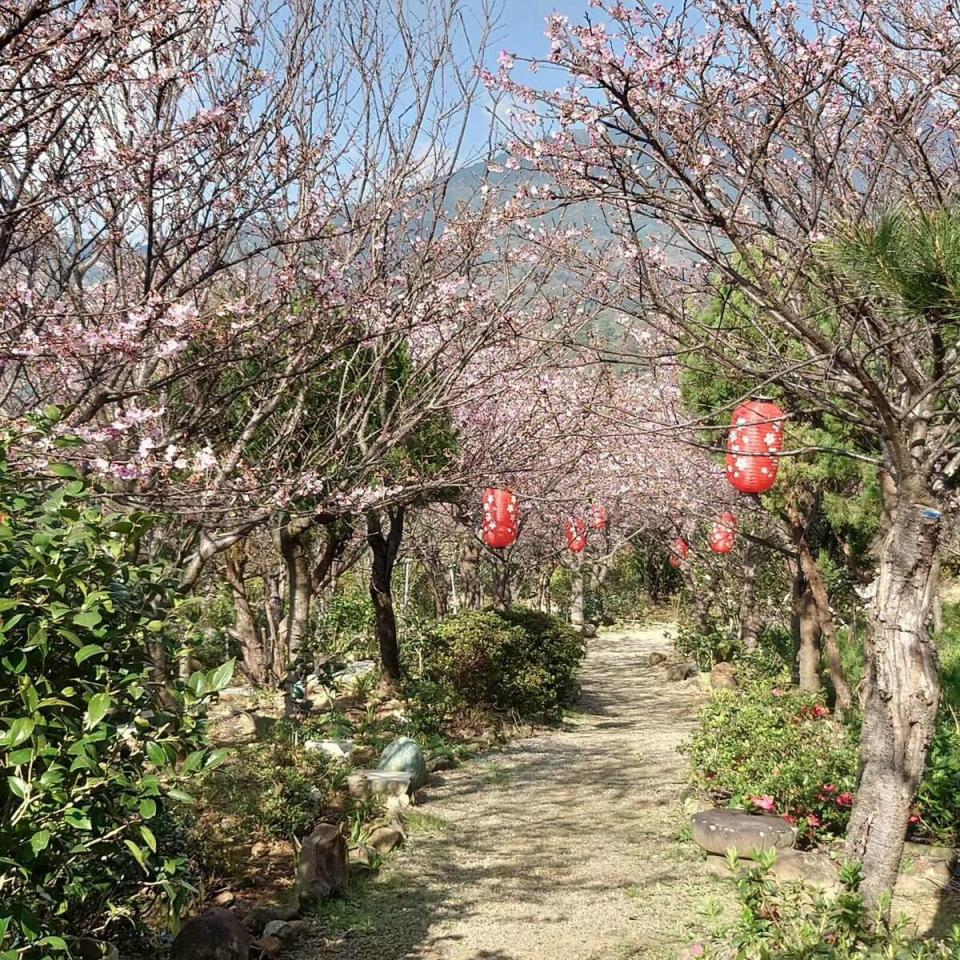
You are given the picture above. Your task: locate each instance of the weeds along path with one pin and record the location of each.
(561, 847)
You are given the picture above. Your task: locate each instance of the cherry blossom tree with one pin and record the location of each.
(759, 148)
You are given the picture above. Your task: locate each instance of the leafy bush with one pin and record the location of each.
(273, 789)
(778, 750)
(520, 660)
(91, 753)
(792, 922)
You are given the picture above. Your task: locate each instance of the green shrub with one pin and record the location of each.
(792, 922)
(518, 660)
(90, 755)
(779, 750)
(273, 789)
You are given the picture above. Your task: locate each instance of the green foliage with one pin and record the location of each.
(635, 576)
(778, 749)
(273, 789)
(519, 660)
(793, 922)
(92, 754)
(346, 622)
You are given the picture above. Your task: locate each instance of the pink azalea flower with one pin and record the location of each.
(764, 803)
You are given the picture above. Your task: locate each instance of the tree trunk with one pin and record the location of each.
(808, 655)
(272, 607)
(384, 550)
(471, 586)
(253, 655)
(299, 594)
(543, 591)
(577, 591)
(502, 595)
(902, 694)
(699, 598)
(750, 622)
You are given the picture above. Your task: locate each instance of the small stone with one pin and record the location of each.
(353, 672)
(694, 805)
(224, 898)
(322, 871)
(718, 831)
(405, 756)
(259, 917)
(243, 728)
(364, 784)
(717, 866)
(280, 929)
(335, 749)
(269, 947)
(440, 763)
(682, 671)
(363, 856)
(214, 935)
(385, 839)
(589, 630)
(722, 677)
(658, 657)
(259, 849)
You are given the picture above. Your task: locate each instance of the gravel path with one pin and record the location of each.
(562, 847)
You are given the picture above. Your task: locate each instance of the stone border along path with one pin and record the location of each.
(561, 847)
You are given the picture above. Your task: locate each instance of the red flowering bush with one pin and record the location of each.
(776, 751)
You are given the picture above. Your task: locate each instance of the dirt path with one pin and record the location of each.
(562, 847)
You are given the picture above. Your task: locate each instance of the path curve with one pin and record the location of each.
(561, 847)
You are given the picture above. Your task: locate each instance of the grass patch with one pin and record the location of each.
(428, 824)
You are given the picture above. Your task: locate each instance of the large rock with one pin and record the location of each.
(405, 756)
(722, 677)
(718, 831)
(385, 839)
(214, 935)
(322, 872)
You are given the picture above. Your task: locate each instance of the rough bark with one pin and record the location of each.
(502, 586)
(471, 586)
(245, 630)
(577, 591)
(384, 548)
(808, 655)
(901, 695)
(750, 622)
(299, 594)
(699, 598)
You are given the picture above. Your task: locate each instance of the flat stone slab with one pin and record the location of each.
(813, 869)
(718, 831)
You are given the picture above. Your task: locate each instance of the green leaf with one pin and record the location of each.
(21, 729)
(88, 618)
(180, 795)
(52, 413)
(155, 626)
(219, 678)
(216, 757)
(64, 470)
(75, 488)
(18, 787)
(40, 841)
(148, 808)
(138, 854)
(148, 838)
(157, 754)
(97, 709)
(85, 653)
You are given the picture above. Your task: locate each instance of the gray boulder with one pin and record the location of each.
(682, 671)
(405, 756)
(385, 839)
(322, 871)
(589, 630)
(214, 935)
(718, 831)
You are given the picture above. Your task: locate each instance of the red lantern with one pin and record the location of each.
(724, 533)
(600, 517)
(499, 518)
(755, 439)
(678, 552)
(576, 531)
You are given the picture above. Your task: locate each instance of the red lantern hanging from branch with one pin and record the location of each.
(499, 518)
(576, 531)
(724, 533)
(599, 517)
(678, 552)
(755, 440)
